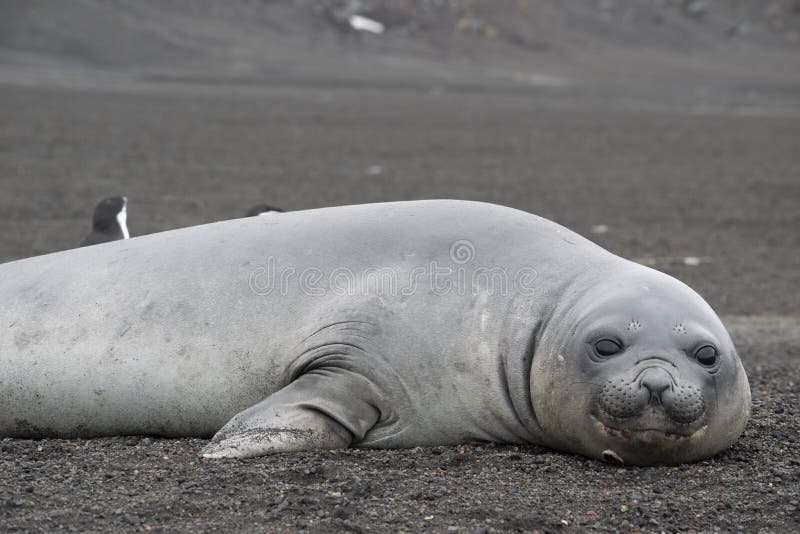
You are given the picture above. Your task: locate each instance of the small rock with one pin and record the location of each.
(340, 512)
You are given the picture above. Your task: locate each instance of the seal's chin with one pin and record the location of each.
(648, 439)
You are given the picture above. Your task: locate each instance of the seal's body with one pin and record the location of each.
(383, 325)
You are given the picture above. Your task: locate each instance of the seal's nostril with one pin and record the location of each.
(656, 381)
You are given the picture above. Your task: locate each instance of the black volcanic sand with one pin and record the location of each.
(667, 185)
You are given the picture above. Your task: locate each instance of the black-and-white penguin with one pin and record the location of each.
(262, 209)
(109, 222)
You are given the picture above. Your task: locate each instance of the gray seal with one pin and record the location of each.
(382, 325)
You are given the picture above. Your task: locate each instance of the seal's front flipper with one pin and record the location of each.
(327, 408)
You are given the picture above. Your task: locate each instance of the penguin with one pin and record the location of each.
(262, 209)
(109, 222)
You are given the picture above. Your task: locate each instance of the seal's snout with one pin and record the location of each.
(653, 395)
(656, 381)
(683, 403)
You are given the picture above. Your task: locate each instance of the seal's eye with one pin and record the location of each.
(706, 355)
(607, 347)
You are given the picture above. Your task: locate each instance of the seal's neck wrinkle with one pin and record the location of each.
(523, 323)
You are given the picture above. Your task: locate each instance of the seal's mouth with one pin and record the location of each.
(649, 434)
(653, 422)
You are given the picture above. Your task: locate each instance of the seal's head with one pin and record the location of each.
(639, 370)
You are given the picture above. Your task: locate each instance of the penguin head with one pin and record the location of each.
(262, 209)
(111, 214)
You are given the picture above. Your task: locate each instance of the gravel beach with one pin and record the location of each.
(666, 186)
